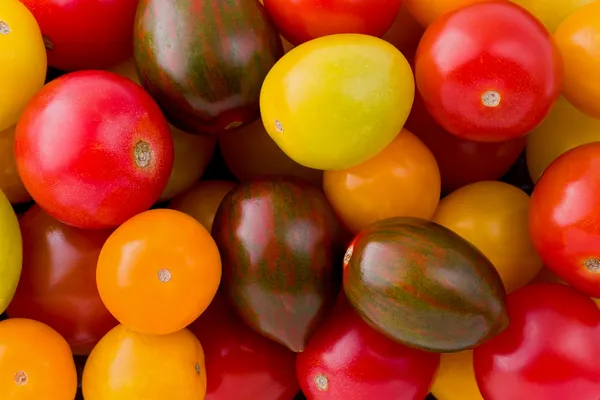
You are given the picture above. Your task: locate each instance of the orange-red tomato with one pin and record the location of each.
(10, 182)
(158, 271)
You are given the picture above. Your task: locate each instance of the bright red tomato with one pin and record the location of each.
(240, 363)
(58, 280)
(551, 349)
(347, 359)
(302, 20)
(93, 149)
(489, 71)
(564, 217)
(85, 34)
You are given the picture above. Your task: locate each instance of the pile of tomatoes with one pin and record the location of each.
(180, 219)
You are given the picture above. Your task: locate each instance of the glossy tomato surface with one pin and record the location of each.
(488, 72)
(549, 351)
(93, 149)
(58, 281)
(11, 252)
(85, 34)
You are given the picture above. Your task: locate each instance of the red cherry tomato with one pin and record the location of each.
(58, 280)
(551, 349)
(93, 149)
(240, 363)
(489, 71)
(85, 34)
(302, 20)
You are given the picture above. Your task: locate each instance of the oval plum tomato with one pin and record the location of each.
(11, 253)
(493, 216)
(551, 13)
(455, 378)
(85, 34)
(564, 215)
(428, 11)
(23, 60)
(36, 362)
(158, 271)
(302, 20)
(563, 129)
(404, 176)
(550, 350)
(578, 38)
(127, 365)
(93, 149)
(240, 363)
(473, 86)
(58, 282)
(346, 359)
(10, 181)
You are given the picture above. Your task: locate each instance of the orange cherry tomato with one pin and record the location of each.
(401, 181)
(455, 379)
(158, 271)
(10, 182)
(428, 11)
(552, 13)
(126, 365)
(35, 362)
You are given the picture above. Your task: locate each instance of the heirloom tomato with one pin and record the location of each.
(85, 34)
(10, 181)
(93, 149)
(11, 252)
(551, 13)
(428, 11)
(550, 350)
(36, 362)
(455, 379)
(477, 89)
(58, 281)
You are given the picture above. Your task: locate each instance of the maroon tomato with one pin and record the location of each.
(489, 71)
(551, 349)
(240, 363)
(58, 281)
(347, 359)
(302, 20)
(93, 149)
(85, 34)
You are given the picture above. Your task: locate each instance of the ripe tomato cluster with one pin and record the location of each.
(307, 199)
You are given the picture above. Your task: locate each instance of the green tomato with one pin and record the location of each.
(11, 252)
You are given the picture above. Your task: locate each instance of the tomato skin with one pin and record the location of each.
(82, 148)
(85, 34)
(550, 350)
(477, 89)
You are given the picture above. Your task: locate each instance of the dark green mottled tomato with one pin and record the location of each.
(423, 285)
(204, 61)
(279, 245)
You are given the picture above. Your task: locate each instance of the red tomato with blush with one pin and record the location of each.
(93, 149)
(58, 280)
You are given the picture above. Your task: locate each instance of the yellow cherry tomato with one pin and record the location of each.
(493, 216)
(401, 181)
(455, 379)
(551, 12)
(578, 38)
(22, 60)
(11, 252)
(565, 128)
(336, 101)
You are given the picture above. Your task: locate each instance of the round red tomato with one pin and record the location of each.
(93, 149)
(240, 363)
(58, 280)
(85, 34)
(302, 20)
(489, 71)
(564, 216)
(551, 349)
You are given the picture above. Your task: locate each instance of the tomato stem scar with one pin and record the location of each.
(322, 382)
(348, 255)
(164, 275)
(49, 44)
(142, 154)
(20, 378)
(4, 28)
(278, 126)
(198, 368)
(592, 265)
(491, 98)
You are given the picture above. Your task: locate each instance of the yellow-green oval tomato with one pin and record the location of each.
(565, 127)
(11, 252)
(336, 101)
(22, 60)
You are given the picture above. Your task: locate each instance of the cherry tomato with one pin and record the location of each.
(552, 13)
(455, 379)
(127, 365)
(36, 362)
(10, 181)
(58, 282)
(550, 350)
(93, 149)
(11, 253)
(428, 11)
(158, 271)
(477, 89)
(85, 34)
(405, 33)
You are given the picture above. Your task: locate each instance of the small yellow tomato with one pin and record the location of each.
(401, 181)
(551, 12)
(455, 379)
(493, 216)
(22, 60)
(11, 252)
(336, 101)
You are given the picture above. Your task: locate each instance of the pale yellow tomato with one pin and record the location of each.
(336, 101)
(493, 216)
(11, 252)
(455, 379)
(22, 60)
(551, 12)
